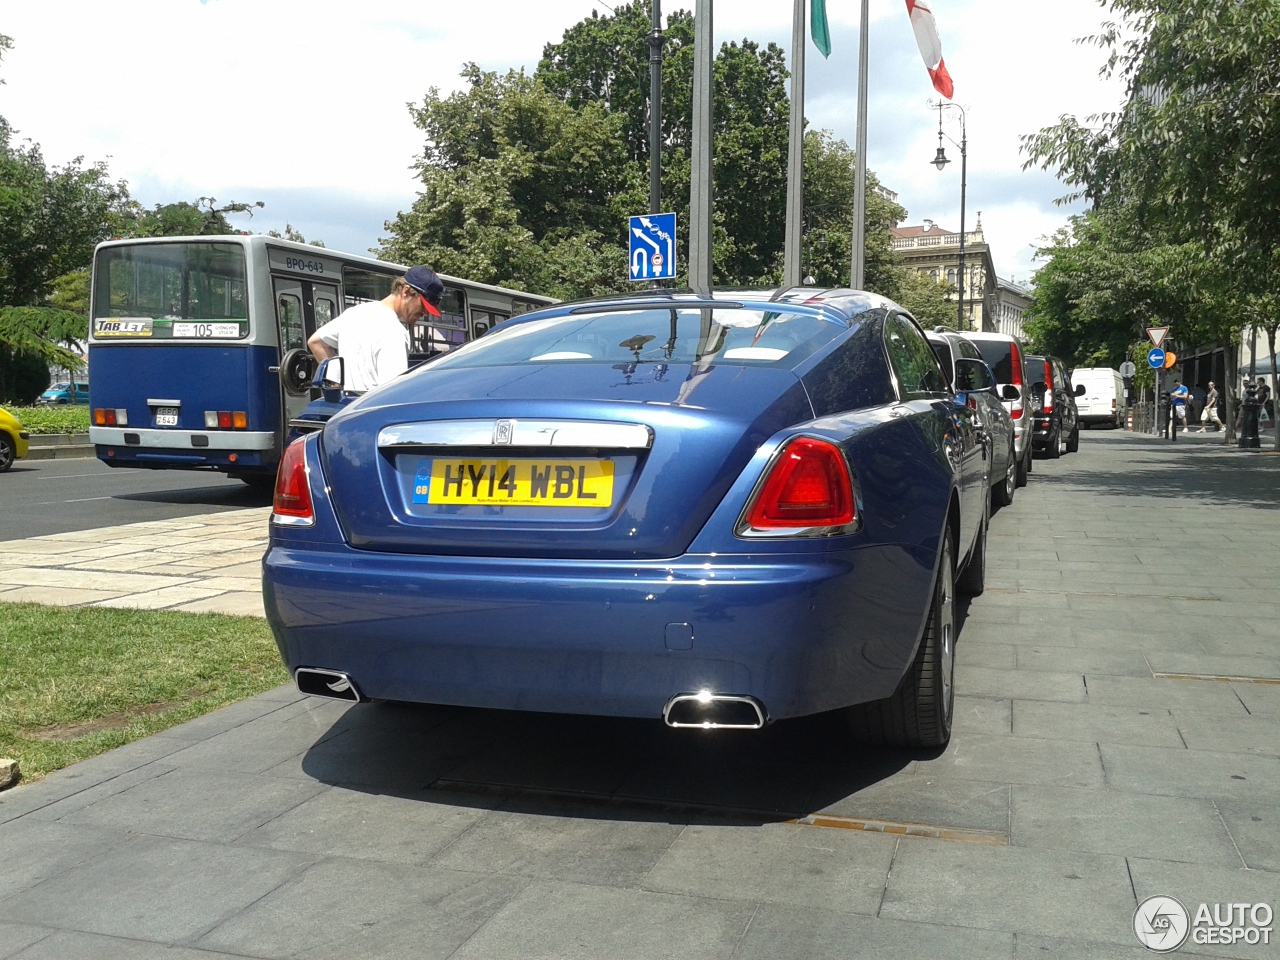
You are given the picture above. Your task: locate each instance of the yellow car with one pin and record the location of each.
(13, 440)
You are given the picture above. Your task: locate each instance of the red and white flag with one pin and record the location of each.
(930, 45)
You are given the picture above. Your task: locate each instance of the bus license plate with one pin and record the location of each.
(166, 416)
(515, 483)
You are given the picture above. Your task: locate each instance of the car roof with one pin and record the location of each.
(841, 300)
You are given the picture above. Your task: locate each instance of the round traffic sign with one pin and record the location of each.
(1127, 369)
(1155, 358)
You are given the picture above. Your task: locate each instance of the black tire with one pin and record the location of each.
(8, 453)
(919, 712)
(1054, 449)
(1073, 440)
(1002, 492)
(1024, 467)
(973, 578)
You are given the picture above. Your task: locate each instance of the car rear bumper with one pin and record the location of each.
(801, 633)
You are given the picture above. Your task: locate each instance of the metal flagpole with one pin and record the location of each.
(700, 168)
(857, 278)
(791, 265)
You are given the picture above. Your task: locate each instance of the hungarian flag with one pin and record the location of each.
(818, 26)
(930, 45)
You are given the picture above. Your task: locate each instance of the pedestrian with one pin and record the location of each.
(1210, 416)
(1264, 401)
(373, 338)
(1180, 395)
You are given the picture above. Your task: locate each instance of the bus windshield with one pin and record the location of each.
(157, 289)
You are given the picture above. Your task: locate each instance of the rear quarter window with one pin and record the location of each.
(999, 357)
(913, 363)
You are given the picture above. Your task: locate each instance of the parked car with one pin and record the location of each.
(13, 440)
(1103, 398)
(1004, 355)
(1055, 429)
(718, 512)
(76, 392)
(968, 374)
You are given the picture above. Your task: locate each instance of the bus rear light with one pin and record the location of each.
(808, 486)
(239, 419)
(224, 419)
(122, 417)
(99, 417)
(109, 417)
(211, 419)
(292, 503)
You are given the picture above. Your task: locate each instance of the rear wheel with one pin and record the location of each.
(973, 579)
(8, 453)
(920, 710)
(1073, 440)
(1054, 448)
(1002, 492)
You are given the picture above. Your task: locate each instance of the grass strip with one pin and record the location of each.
(53, 418)
(76, 682)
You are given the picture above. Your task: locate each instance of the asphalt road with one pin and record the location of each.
(40, 497)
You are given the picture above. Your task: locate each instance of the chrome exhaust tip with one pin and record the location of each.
(705, 710)
(333, 684)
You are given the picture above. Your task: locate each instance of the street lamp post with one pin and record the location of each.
(940, 161)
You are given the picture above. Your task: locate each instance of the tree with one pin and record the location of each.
(925, 297)
(528, 180)
(295, 235)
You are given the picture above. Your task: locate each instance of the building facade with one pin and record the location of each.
(930, 249)
(1011, 304)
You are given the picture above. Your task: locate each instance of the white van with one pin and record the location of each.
(1103, 398)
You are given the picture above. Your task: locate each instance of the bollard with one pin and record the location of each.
(1249, 407)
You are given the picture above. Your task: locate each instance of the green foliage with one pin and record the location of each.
(53, 418)
(23, 375)
(295, 235)
(528, 180)
(1186, 204)
(925, 297)
(183, 219)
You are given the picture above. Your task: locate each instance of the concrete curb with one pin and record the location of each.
(59, 446)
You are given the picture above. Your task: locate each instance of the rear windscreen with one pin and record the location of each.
(654, 335)
(999, 357)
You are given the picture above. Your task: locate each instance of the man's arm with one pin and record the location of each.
(319, 348)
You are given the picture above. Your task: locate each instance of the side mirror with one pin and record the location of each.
(1080, 390)
(329, 379)
(1009, 392)
(973, 375)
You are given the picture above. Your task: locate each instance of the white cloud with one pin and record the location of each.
(245, 99)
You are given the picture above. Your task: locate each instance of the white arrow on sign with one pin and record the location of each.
(639, 262)
(1157, 335)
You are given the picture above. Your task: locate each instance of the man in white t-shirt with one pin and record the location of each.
(373, 338)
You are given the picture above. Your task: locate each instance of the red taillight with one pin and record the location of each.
(809, 486)
(1048, 384)
(110, 417)
(224, 419)
(293, 496)
(1016, 356)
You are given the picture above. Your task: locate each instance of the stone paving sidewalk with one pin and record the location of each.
(1117, 736)
(205, 564)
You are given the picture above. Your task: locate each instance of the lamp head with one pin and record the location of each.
(941, 160)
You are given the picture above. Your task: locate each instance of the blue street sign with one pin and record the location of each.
(652, 240)
(1155, 358)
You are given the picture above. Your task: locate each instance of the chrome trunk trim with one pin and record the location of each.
(509, 433)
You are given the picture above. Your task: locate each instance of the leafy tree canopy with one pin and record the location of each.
(1186, 207)
(528, 179)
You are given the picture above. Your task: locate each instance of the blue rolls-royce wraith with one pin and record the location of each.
(714, 511)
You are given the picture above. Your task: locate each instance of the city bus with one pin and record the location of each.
(197, 345)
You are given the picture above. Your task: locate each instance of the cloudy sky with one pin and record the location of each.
(302, 105)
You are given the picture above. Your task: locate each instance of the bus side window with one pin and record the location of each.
(325, 311)
(482, 321)
(291, 331)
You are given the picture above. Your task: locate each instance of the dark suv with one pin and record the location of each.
(1055, 421)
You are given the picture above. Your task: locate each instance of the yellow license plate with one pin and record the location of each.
(517, 483)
